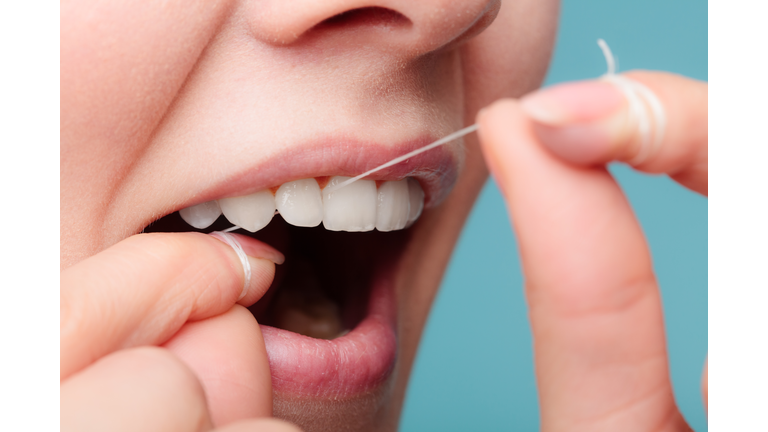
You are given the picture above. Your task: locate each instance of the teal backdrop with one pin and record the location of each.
(474, 370)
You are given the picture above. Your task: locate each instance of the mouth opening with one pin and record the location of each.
(323, 289)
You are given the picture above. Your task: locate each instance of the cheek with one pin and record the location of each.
(121, 66)
(120, 69)
(495, 68)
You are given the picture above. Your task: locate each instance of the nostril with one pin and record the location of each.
(367, 16)
(403, 28)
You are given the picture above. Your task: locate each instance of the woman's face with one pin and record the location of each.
(165, 105)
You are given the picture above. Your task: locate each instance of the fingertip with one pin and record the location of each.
(262, 259)
(257, 249)
(584, 145)
(654, 121)
(483, 114)
(262, 275)
(573, 102)
(494, 108)
(258, 261)
(495, 120)
(579, 122)
(251, 247)
(486, 125)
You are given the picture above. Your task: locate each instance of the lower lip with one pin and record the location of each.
(353, 364)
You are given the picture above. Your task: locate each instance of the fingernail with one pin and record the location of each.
(572, 103)
(247, 251)
(577, 121)
(262, 250)
(255, 249)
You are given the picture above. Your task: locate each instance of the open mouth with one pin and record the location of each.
(329, 317)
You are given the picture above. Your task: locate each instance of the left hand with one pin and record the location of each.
(594, 304)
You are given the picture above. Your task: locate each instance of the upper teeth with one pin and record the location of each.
(202, 215)
(352, 208)
(356, 207)
(299, 202)
(393, 206)
(251, 212)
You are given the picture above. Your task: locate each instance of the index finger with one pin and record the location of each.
(593, 302)
(592, 122)
(143, 289)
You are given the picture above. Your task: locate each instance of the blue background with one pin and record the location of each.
(474, 370)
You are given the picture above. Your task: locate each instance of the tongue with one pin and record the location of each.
(303, 307)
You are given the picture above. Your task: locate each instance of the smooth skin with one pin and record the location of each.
(162, 103)
(595, 308)
(594, 302)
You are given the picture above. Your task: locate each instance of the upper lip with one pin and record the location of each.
(436, 170)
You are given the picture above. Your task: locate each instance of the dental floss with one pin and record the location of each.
(441, 141)
(644, 107)
(235, 244)
(640, 98)
(235, 227)
(609, 59)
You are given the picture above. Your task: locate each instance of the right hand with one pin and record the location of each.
(593, 299)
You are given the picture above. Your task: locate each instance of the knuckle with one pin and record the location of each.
(586, 300)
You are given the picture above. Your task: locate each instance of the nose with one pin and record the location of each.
(412, 27)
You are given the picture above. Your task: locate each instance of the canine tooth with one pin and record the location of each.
(300, 202)
(251, 212)
(416, 197)
(351, 208)
(393, 205)
(201, 215)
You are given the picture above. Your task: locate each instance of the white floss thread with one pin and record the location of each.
(456, 135)
(644, 107)
(235, 244)
(643, 103)
(641, 100)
